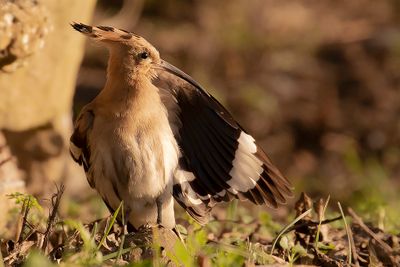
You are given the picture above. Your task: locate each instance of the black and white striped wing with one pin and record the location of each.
(224, 160)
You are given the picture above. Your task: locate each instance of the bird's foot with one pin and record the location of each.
(145, 227)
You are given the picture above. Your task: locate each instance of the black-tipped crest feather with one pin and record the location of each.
(80, 27)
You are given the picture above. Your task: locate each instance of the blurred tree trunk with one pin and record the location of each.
(11, 180)
(39, 60)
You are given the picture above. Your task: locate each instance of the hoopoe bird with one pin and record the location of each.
(153, 134)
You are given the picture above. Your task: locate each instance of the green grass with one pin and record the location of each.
(243, 237)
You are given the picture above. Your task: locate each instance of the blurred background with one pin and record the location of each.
(317, 83)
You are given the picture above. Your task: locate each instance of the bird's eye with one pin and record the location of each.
(144, 55)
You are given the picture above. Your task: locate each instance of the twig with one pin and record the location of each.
(359, 221)
(312, 223)
(352, 247)
(231, 221)
(25, 209)
(55, 203)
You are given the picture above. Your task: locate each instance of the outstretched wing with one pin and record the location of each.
(220, 159)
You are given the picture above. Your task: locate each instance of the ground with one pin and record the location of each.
(313, 235)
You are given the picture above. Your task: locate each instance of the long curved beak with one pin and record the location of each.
(164, 65)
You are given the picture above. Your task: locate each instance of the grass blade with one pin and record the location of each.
(301, 216)
(113, 219)
(124, 224)
(320, 222)
(348, 234)
(116, 253)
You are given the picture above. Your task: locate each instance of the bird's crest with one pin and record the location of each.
(104, 33)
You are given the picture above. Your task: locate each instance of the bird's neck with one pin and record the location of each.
(127, 87)
(125, 91)
(121, 79)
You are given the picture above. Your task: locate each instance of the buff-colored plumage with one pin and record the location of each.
(154, 134)
(133, 153)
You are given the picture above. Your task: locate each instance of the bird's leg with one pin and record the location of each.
(159, 210)
(125, 218)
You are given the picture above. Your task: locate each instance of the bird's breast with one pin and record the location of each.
(138, 154)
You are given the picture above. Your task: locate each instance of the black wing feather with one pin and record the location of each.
(209, 138)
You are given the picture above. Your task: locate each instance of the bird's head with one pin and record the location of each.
(132, 51)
